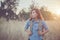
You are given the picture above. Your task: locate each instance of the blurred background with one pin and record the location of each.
(14, 13)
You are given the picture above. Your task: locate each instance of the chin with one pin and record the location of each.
(33, 18)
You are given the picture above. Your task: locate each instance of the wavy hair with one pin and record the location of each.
(39, 14)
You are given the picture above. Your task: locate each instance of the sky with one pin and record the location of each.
(52, 5)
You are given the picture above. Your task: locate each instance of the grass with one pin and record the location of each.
(14, 30)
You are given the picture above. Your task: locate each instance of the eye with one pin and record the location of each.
(33, 12)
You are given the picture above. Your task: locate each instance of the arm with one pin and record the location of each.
(45, 28)
(27, 26)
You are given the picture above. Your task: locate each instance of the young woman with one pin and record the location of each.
(36, 32)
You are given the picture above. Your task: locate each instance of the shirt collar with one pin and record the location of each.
(33, 20)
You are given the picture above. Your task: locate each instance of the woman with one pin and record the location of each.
(36, 32)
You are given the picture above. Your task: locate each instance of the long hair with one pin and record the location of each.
(39, 14)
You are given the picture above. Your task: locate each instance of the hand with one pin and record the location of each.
(40, 33)
(29, 33)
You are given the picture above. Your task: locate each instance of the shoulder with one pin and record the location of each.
(43, 21)
(27, 21)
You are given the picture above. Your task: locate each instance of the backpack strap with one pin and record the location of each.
(31, 24)
(40, 25)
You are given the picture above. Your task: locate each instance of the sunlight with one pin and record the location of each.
(23, 4)
(57, 12)
(53, 6)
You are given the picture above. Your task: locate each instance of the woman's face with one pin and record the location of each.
(33, 14)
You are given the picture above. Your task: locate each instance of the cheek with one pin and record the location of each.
(36, 15)
(33, 16)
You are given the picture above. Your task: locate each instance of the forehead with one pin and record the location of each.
(33, 11)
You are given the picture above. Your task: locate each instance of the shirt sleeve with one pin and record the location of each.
(45, 25)
(27, 24)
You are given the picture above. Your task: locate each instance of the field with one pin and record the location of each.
(14, 30)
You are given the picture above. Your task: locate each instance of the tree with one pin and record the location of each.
(46, 14)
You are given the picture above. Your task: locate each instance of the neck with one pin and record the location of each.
(36, 19)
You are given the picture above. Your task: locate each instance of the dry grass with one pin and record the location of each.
(14, 30)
